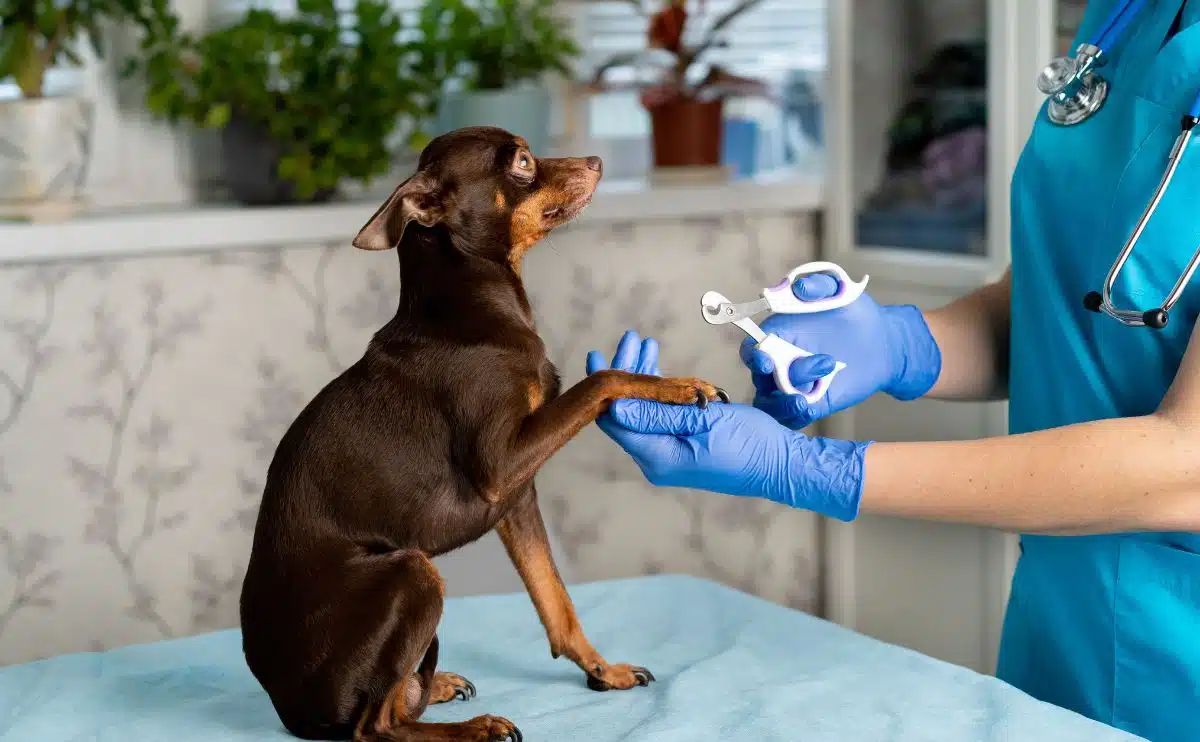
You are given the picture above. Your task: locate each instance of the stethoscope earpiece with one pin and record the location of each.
(1155, 319)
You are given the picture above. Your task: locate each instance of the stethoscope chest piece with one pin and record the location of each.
(1078, 100)
(1057, 75)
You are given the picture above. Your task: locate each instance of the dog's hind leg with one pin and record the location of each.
(524, 536)
(413, 652)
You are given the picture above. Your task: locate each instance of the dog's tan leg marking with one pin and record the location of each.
(537, 395)
(394, 720)
(548, 429)
(524, 536)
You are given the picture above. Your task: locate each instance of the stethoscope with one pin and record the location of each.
(1076, 92)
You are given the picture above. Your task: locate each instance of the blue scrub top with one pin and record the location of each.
(1108, 626)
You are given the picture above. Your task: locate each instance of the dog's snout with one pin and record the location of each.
(595, 163)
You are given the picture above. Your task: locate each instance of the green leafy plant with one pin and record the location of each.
(331, 97)
(36, 35)
(494, 44)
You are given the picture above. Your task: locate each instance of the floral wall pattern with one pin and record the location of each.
(141, 400)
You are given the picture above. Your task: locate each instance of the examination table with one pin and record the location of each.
(729, 667)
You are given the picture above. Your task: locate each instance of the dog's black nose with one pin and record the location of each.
(595, 163)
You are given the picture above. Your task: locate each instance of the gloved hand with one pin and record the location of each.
(885, 348)
(729, 448)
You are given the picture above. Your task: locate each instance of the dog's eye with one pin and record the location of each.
(523, 163)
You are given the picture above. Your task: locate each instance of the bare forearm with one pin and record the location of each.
(972, 335)
(1130, 474)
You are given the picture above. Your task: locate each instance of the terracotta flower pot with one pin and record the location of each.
(687, 132)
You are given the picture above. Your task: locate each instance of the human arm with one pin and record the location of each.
(972, 333)
(1122, 474)
(1125, 474)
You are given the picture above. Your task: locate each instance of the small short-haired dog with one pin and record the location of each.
(425, 444)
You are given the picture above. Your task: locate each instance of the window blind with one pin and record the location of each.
(766, 42)
(775, 35)
(230, 10)
(772, 37)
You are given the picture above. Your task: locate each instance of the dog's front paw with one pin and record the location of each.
(688, 391)
(447, 686)
(618, 677)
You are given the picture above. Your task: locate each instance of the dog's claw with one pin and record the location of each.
(516, 735)
(644, 676)
(701, 400)
(722, 395)
(465, 692)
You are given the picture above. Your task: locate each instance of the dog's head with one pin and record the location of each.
(488, 191)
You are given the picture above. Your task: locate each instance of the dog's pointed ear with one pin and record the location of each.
(413, 200)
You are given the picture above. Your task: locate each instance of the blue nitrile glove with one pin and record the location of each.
(885, 348)
(729, 448)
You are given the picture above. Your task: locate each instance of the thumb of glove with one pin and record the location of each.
(815, 286)
(804, 373)
(813, 367)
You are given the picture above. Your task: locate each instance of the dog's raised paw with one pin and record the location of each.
(687, 391)
(618, 677)
(449, 687)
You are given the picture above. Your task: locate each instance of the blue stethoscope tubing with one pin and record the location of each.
(1076, 92)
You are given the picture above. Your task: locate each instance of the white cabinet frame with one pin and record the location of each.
(1021, 38)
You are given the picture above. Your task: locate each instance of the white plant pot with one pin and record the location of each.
(45, 148)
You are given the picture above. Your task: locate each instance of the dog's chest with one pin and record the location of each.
(551, 381)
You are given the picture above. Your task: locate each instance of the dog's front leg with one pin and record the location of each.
(524, 535)
(549, 427)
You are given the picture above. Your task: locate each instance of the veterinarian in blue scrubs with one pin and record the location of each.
(1101, 470)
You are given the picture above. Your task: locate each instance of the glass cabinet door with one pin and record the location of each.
(920, 130)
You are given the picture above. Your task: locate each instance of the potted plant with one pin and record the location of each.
(301, 102)
(683, 93)
(45, 133)
(493, 57)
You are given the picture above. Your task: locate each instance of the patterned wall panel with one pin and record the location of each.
(141, 400)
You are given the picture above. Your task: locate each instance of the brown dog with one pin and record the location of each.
(425, 444)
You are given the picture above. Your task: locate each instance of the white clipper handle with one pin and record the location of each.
(783, 301)
(782, 353)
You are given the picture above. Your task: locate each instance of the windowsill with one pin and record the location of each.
(211, 228)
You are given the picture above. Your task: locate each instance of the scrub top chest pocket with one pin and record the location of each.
(1166, 246)
(1149, 51)
(1078, 194)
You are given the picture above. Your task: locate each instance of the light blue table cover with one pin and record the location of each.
(729, 667)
